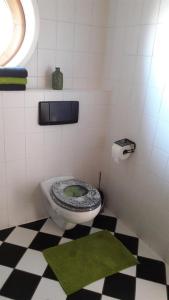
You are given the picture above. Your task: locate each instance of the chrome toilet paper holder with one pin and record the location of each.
(126, 142)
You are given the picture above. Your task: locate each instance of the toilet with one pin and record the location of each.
(70, 201)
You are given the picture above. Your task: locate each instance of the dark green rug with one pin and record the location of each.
(83, 261)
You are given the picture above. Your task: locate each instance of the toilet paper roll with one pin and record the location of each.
(118, 152)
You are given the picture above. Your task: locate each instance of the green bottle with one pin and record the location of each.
(57, 79)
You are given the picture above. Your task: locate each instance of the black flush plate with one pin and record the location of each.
(58, 112)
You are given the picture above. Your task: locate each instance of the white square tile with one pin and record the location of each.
(146, 40)
(100, 12)
(150, 290)
(4, 274)
(64, 59)
(32, 98)
(84, 11)
(21, 236)
(129, 271)
(51, 228)
(31, 120)
(14, 120)
(47, 36)
(66, 10)
(93, 230)
(48, 11)
(35, 171)
(31, 67)
(65, 36)
(48, 289)
(150, 11)
(167, 273)
(80, 65)
(123, 229)
(35, 146)
(33, 262)
(16, 173)
(96, 286)
(108, 298)
(46, 62)
(15, 147)
(4, 298)
(82, 34)
(13, 99)
(64, 240)
(145, 251)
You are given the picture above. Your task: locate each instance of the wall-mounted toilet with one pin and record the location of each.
(70, 201)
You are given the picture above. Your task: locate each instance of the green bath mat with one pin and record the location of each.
(85, 260)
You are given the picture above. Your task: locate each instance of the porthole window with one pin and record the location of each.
(19, 28)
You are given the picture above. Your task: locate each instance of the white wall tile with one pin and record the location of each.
(47, 35)
(35, 146)
(14, 120)
(48, 11)
(13, 99)
(84, 11)
(14, 147)
(46, 62)
(66, 10)
(65, 36)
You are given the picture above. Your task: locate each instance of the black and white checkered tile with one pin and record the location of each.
(24, 273)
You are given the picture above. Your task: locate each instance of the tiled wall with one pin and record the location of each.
(72, 36)
(137, 72)
(30, 153)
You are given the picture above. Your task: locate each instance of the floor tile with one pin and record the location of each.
(128, 241)
(5, 298)
(5, 232)
(84, 295)
(151, 269)
(167, 273)
(49, 274)
(43, 241)
(51, 228)
(120, 286)
(108, 298)
(94, 230)
(10, 254)
(4, 274)
(105, 222)
(49, 289)
(123, 229)
(25, 267)
(21, 236)
(168, 292)
(145, 251)
(39, 263)
(77, 232)
(64, 240)
(20, 285)
(149, 290)
(96, 286)
(129, 271)
(37, 225)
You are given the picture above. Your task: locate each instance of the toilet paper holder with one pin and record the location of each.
(126, 142)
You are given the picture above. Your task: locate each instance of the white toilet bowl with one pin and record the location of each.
(68, 210)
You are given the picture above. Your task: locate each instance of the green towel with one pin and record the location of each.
(85, 260)
(13, 80)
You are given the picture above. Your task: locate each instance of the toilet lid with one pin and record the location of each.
(75, 195)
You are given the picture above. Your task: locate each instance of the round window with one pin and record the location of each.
(19, 28)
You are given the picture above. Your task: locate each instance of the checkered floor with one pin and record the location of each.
(24, 273)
